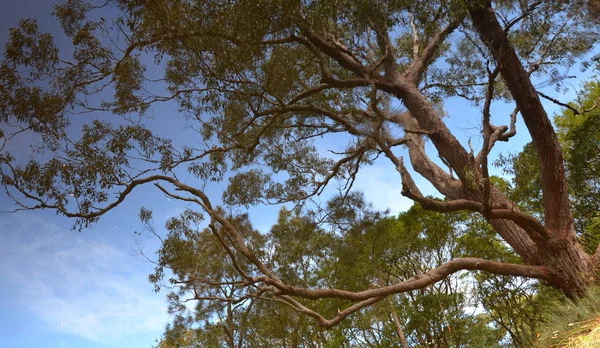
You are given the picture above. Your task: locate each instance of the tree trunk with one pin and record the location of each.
(397, 324)
(560, 250)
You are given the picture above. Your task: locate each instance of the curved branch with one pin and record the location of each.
(327, 323)
(558, 102)
(122, 195)
(424, 280)
(531, 225)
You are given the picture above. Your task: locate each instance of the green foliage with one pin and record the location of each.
(520, 310)
(580, 136)
(527, 181)
(353, 248)
(258, 84)
(300, 248)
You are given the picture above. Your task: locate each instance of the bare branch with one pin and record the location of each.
(415, 36)
(192, 279)
(397, 324)
(558, 102)
(422, 62)
(505, 136)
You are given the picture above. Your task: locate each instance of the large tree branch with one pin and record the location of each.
(366, 297)
(422, 164)
(363, 298)
(451, 151)
(536, 230)
(335, 51)
(448, 147)
(403, 88)
(424, 280)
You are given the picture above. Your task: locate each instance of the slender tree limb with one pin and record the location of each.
(487, 135)
(422, 62)
(327, 323)
(522, 16)
(558, 102)
(192, 279)
(397, 323)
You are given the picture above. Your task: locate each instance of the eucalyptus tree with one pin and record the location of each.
(194, 265)
(395, 248)
(356, 248)
(261, 80)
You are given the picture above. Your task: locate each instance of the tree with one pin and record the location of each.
(397, 248)
(261, 80)
(199, 269)
(374, 251)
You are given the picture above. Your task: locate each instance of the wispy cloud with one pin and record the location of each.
(77, 283)
(381, 186)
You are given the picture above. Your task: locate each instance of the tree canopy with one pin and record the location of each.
(372, 253)
(261, 84)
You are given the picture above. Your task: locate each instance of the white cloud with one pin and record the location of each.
(77, 283)
(381, 185)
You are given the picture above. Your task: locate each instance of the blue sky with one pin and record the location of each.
(61, 288)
